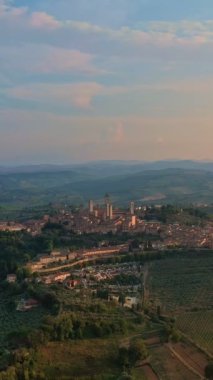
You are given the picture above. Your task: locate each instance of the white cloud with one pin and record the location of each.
(157, 33)
(154, 33)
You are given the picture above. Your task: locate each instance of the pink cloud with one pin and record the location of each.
(42, 20)
(25, 19)
(64, 60)
(83, 93)
(79, 95)
(47, 59)
(160, 140)
(8, 12)
(118, 135)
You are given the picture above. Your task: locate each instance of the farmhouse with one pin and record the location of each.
(130, 302)
(70, 284)
(11, 278)
(26, 305)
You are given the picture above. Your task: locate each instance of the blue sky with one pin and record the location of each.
(105, 79)
(126, 11)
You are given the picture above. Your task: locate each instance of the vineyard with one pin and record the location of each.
(199, 327)
(182, 283)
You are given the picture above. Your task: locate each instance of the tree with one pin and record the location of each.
(123, 356)
(158, 310)
(171, 333)
(23, 273)
(10, 374)
(209, 371)
(3, 269)
(122, 299)
(137, 351)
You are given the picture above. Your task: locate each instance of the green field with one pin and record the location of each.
(199, 327)
(182, 283)
(87, 359)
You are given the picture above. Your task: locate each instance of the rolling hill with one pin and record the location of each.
(123, 181)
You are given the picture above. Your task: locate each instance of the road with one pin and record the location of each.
(70, 265)
(187, 362)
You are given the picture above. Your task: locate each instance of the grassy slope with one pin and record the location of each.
(80, 360)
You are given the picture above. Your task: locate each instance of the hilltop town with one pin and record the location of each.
(102, 271)
(171, 226)
(112, 232)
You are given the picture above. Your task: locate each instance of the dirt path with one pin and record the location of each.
(188, 362)
(149, 373)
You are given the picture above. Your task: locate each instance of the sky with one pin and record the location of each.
(105, 79)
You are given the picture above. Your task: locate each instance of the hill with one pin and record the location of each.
(110, 167)
(169, 185)
(83, 182)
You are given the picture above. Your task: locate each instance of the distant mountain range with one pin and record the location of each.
(144, 182)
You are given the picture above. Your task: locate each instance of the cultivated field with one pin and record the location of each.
(168, 367)
(182, 283)
(182, 287)
(199, 327)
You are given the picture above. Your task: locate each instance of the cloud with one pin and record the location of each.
(119, 133)
(156, 33)
(45, 59)
(160, 140)
(58, 60)
(9, 12)
(24, 18)
(42, 20)
(83, 93)
(156, 69)
(163, 34)
(79, 95)
(39, 43)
